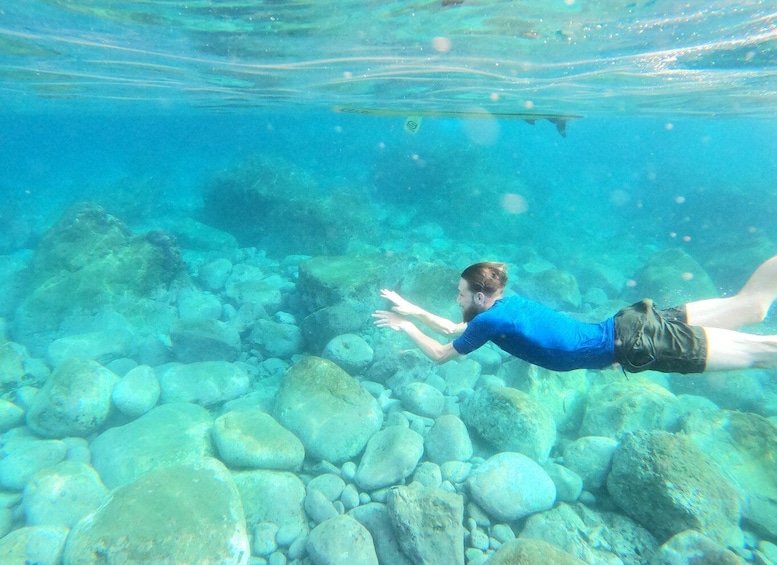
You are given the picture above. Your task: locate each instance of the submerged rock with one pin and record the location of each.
(206, 382)
(204, 340)
(511, 486)
(694, 547)
(617, 408)
(62, 495)
(75, 401)
(605, 538)
(182, 514)
(511, 421)
(251, 438)
(667, 484)
(332, 414)
(527, 551)
(87, 259)
(42, 545)
(743, 445)
(341, 541)
(272, 496)
(168, 435)
(375, 517)
(25, 458)
(428, 523)
(390, 456)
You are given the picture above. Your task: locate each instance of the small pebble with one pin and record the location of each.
(298, 548)
(287, 534)
(479, 540)
(265, 534)
(348, 471)
(587, 498)
(503, 533)
(350, 497)
(277, 558)
(364, 498)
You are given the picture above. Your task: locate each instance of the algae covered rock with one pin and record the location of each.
(331, 413)
(182, 514)
(510, 420)
(743, 445)
(75, 401)
(89, 258)
(261, 199)
(667, 484)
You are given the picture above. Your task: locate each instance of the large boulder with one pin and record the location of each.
(168, 435)
(743, 445)
(184, 514)
(262, 198)
(75, 401)
(510, 420)
(332, 414)
(667, 484)
(89, 258)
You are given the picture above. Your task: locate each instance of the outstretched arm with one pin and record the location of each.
(437, 324)
(433, 349)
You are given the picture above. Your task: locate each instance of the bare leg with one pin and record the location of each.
(749, 306)
(728, 350)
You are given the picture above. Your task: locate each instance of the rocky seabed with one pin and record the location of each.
(253, 415)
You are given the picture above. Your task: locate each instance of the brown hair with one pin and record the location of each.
(489, 277)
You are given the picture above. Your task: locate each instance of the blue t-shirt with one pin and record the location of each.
(541, 336)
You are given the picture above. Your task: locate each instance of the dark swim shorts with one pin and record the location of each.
(648, 339)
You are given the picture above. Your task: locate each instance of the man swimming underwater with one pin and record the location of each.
(693, 338)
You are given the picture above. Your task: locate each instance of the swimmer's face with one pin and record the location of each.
(469, 302)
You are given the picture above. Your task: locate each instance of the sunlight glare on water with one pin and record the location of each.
(552, 57)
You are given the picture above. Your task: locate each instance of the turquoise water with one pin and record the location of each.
(233, 182)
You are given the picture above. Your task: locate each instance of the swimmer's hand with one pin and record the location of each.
(386, 319)
(401, 306)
